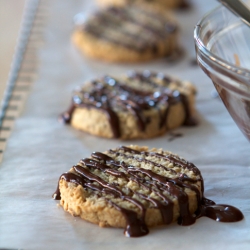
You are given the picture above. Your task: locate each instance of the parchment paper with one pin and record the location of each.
(41, 149)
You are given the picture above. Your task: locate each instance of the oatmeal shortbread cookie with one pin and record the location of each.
(139, 105)
(133, 188)
(127, 34)
(152, 3)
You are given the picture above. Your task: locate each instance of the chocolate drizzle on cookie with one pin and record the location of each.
(158, 189)
(112, 96)
(131, 27)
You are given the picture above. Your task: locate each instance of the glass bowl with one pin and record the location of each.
(222, 43)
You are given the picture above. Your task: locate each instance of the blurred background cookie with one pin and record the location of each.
(151, 3)
(127, 34)
(139, 105)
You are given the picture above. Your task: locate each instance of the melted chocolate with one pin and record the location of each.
(223, 213)
(151, 181)
(237, 106)
(173, 136)
(236, 100)
(111, 95)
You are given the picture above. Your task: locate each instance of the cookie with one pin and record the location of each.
(132, 188)
(152, 3)
(136, 188)
(139, 105)
(127, 34)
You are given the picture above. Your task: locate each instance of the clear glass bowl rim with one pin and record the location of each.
(212, 58)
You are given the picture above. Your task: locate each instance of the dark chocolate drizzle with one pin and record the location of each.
(162, 187)
(148, 28)
(110, 95)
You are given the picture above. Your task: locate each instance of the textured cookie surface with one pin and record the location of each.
(152, 3)
(127, 34)
(139, 105)
(133, 188)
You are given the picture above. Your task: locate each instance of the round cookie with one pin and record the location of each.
(133, 188)
(139, 105)
(152, 3)
(127, 34)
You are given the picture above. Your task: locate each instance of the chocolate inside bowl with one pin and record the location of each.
(223, 52)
